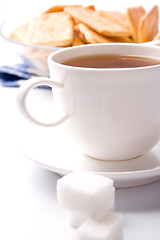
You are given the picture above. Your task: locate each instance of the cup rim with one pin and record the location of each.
(92, 46)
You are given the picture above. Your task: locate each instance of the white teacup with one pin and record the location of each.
(114, 114)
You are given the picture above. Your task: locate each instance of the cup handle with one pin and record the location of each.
(23, 92)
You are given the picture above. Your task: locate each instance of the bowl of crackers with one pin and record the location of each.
(64, 26)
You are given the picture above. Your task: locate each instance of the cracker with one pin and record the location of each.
(148, 25)
(77, 39)
(98, 23)
(134, 14)
(115, 16)
(122, 39)
(157, 37)
(51, 29)
(20, 34)
(90, 36)
(58, 8)
(91, 7)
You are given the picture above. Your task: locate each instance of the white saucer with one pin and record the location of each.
(54, 150)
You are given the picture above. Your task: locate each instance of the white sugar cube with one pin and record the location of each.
(76, 219)
(86, 193)
(106, 227)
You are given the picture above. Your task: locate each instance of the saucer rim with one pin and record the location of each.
(121, 179)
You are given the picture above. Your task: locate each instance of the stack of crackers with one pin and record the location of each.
(70, 25)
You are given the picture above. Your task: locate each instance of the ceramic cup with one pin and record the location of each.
(113, 114)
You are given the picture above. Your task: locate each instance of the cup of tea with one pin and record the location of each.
(108, 93)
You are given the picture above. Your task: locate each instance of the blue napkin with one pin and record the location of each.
(14, 75)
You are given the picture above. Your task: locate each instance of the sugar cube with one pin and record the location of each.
(76, 219)
(106, 227)
(85, 192)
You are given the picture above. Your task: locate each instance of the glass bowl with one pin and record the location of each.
(34, 56)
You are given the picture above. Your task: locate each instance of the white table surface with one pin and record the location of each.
(28, 205)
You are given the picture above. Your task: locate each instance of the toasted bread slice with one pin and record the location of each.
(148, 25)
(51, 29)
(97, 23)
(134, 14)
